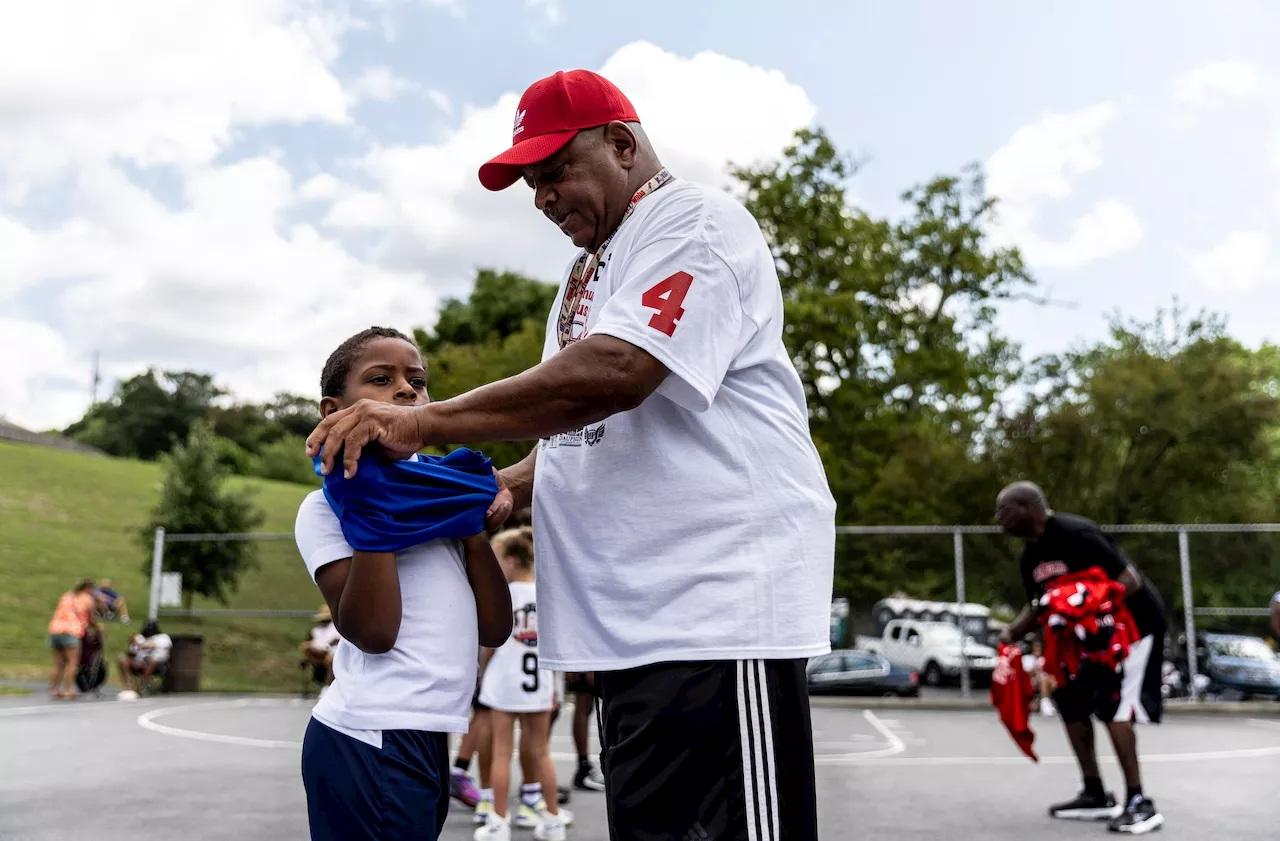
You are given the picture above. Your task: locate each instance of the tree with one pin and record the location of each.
(1168, 421)
(890, 325)
(500, 304)
(497, 332)
(194, 499)
(147, 414)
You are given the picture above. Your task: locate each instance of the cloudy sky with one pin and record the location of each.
(234, 187)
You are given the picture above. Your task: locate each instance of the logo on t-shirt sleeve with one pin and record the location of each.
(1049, 570)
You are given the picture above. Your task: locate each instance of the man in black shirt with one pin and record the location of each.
(1057, 545)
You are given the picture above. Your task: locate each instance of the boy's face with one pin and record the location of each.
(388, 371)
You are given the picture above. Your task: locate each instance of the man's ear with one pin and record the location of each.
(623, 141)
(328, 405)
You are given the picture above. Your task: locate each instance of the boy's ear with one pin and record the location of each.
(328, 405)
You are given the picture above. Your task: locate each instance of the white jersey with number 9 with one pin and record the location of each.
(513, 681)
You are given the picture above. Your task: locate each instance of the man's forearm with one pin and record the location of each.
(585, 383)
(519, 480)
(1022, 624)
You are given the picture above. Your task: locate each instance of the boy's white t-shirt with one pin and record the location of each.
(698, 526)
(426, 681)
(514, 681)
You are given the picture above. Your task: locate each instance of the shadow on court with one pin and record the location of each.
(206, 769)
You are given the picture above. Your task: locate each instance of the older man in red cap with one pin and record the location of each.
(684, 527)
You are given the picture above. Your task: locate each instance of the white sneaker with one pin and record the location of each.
(531, 817)
(483, 810)
(551, 828)
(1046, 707)
(495, 829)
(127, 695)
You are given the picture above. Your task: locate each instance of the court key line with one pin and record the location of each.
(147, 721)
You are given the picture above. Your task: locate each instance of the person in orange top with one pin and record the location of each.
(72, 616)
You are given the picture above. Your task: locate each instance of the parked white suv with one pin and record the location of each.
(933, 649)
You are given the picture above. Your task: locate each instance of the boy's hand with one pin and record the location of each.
(500, 510)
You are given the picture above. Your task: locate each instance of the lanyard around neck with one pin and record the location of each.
(585, 268)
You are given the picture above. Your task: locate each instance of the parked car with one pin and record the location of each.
(853, 672)
(1238, 665)
(932, 650)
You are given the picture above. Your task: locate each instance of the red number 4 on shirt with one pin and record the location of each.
(666, 296)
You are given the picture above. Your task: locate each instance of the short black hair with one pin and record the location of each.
(333, 380)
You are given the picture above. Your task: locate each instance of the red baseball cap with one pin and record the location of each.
(550, 114)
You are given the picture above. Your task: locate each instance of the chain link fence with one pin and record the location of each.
(1164, 552)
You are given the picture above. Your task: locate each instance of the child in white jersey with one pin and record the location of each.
(514, 688)
(375, 758)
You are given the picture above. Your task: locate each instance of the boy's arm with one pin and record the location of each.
(363, 594)
(493, 596)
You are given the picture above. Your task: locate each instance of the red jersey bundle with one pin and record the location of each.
(1085, 621)
(1011, 695)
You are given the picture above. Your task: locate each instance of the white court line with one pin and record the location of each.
(894, 747)
(147, 722)
(65, 706)
(945, 761)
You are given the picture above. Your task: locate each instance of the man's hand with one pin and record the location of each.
(397, 429)
(502, 505)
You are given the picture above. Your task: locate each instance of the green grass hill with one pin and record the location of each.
(67, 515)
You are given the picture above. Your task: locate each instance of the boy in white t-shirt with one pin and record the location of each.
(514, 688)
(375, 758)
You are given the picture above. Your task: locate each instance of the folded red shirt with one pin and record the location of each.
(1011, 694)
(1085, 621)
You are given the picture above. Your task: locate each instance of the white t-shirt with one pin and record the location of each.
(513, 681)
(155, 648)
(426, 681)
(325, 637)
(698, 526)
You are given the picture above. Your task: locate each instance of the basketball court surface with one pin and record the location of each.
(206, 769)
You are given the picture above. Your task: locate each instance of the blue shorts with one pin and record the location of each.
(356, 792)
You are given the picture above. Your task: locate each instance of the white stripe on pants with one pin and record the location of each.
(759, 771)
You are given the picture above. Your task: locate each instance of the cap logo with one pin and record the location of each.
(518, 127)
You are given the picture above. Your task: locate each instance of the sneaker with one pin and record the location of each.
(1087, 807)
(494, 829)
(551, 829)
(588, 777)
(562, 795)
(463, 789)
(1138, 818)
(483, 810)
(127, 695)
(530, 817)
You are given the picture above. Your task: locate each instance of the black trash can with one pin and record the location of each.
(185, 659)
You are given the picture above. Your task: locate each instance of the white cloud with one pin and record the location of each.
(221, 276)
(380, 84)
(439, 99)
(156, 81)
(1242, 262)
(551, 10)
(1216, 82)
(1042, 163)
(443, 217)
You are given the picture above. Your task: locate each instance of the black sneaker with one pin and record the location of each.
(1138, 818)
(588, 778)
(1087, 807)
(562, 795)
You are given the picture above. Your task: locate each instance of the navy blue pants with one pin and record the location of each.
(356, 792)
